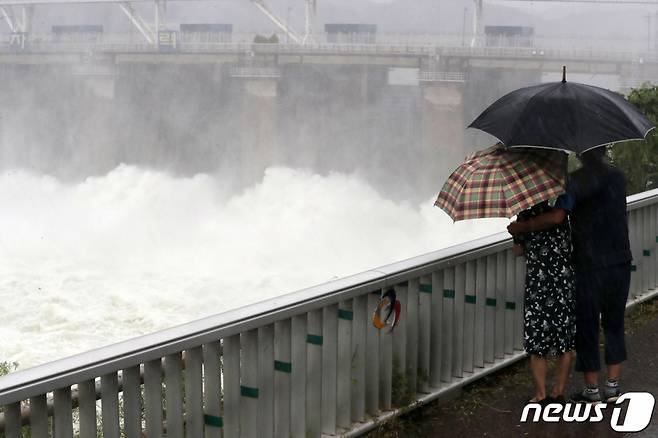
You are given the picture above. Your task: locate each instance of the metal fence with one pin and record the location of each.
(309, 363)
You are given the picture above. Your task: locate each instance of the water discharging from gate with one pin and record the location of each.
(84, 264)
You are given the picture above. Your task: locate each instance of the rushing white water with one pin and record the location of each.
(87, 264)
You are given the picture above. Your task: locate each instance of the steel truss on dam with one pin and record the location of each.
(18, 16)
(307, 364)
(439, 57)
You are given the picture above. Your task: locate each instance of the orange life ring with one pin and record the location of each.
(391, 305)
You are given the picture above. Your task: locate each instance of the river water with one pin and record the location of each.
(90, 263)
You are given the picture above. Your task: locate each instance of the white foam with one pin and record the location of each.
(87, 264)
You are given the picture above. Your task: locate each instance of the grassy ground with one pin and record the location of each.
(488, 391)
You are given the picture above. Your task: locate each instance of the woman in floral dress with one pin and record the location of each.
(549, 310)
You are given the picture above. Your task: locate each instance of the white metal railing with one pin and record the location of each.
(308, 363)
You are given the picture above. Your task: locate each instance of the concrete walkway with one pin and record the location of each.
(493, 406)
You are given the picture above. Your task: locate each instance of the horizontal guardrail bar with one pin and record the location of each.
(640, 200)
(68, 371)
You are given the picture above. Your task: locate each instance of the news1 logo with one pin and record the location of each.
(638, 413)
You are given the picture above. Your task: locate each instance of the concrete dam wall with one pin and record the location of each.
(404, 136)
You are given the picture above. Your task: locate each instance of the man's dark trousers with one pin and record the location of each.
(601, 291)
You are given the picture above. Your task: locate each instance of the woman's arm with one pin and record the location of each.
(540, 222)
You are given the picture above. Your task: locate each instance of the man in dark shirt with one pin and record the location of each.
(596, 204)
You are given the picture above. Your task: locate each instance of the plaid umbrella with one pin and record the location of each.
(501, 182)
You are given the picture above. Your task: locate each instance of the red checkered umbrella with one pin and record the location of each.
(501, 182)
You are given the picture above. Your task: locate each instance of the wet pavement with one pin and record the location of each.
(493, 406)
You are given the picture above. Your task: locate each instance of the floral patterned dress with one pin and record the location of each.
(549, 316)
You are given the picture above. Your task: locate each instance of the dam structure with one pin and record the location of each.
(193, 97)
(302, 105)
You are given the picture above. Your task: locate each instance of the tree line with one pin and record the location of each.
(639, 159)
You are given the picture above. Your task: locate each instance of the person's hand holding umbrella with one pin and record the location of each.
(542, 222)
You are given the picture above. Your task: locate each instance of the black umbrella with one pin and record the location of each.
(563, 115)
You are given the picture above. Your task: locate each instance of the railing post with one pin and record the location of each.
(39, 417)
(174, 394)
(510, 301)
(385, 370)
(213, 389)
(249, 391)
(63, 415)
(635, 268)
(638, 231)
(480, 311)
(344, 365)
(490, 310)
(298, 377)
(132, 418)
(283, 368)
(470, 300)
(329, 368)
(424, 333)
(637, 250)
(447, 332)
(519, 285)
(153, 398)
(13, 420)
(110, 405)
(87, 405)
(400, 384)
(358, 358)
(641, 268)
(193, 393)
(458, 342)
(266, 381)
(411, 322)
(372, 351)
(647, 250)
(314, 342)
(436, 336)
(231, 368)
(653, 242)
(499, 341)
